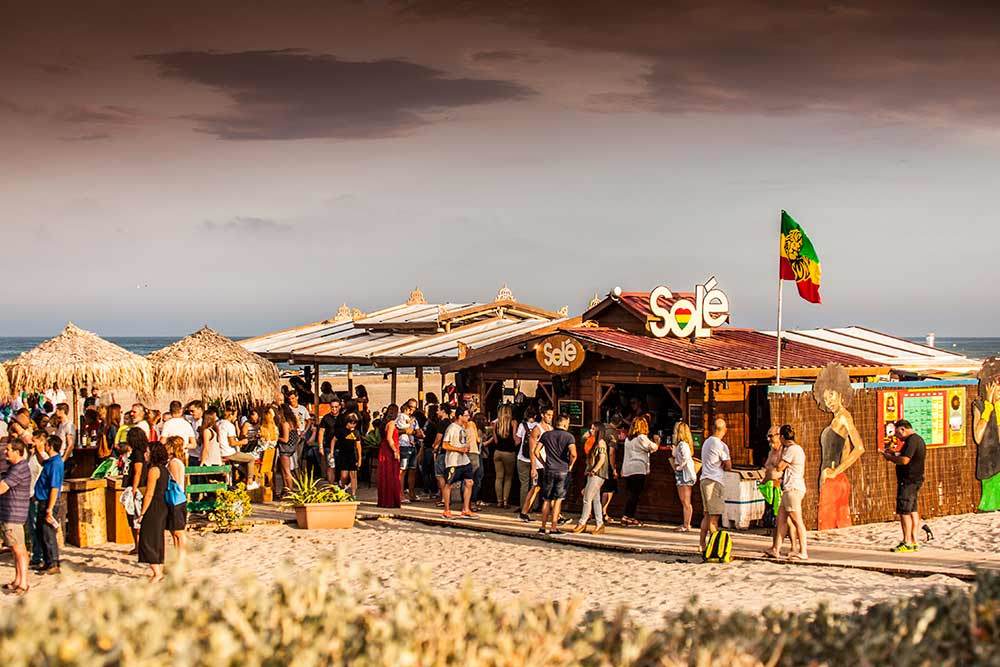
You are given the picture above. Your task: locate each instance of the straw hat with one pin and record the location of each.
(77, 358)
(210, 364)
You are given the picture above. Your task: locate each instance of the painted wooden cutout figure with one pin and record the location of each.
(986, 434)
(840, 446)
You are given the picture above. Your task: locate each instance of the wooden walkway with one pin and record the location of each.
(666, 541)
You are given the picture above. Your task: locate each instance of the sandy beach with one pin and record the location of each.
(976, 533)
(504, 567)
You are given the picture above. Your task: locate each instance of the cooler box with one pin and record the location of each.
(743, 501)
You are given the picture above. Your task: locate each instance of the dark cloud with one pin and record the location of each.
(292, 94)
(104, 114)
(54, 69)
(891, 58)
(247, 226)
(502, 56)
(97, 136)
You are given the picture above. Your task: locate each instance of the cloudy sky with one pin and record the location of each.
(254, 165)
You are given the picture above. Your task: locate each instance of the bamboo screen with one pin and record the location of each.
(950, 484)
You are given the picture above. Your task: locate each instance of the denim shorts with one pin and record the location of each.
(439, 467)
(460, 474)
(554, 485)
(407, 458)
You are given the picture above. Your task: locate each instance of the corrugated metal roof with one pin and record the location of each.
(423, 313)
(725, 349)
(638, 302)
(347, 343)
(883, 348)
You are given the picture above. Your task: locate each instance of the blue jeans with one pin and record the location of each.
(477, 476)
(36, 544)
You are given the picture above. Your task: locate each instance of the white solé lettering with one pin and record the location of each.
(564, 355)
(684, 318)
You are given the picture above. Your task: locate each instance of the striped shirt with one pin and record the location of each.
(14, 503)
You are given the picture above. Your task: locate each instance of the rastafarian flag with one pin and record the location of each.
(799, 261)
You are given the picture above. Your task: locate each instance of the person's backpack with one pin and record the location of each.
(719, 548)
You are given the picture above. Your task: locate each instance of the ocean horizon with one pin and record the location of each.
(12, 346)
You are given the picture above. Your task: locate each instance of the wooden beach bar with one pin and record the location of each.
(672, 355)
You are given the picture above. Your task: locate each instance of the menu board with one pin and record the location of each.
(572, 408)
(937, 415)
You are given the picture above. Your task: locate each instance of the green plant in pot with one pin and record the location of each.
(321, 505)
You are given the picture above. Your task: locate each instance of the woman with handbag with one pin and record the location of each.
(685, 472)
(176, 497)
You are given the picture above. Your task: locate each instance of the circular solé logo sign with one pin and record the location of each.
(560, 354)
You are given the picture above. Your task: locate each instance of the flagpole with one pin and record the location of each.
(777, 372)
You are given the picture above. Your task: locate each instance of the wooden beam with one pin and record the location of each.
(791, 373)
(548, 394)
(350, 379)
(672, 392)
(392, 398)
(316, 395)
(420, 387)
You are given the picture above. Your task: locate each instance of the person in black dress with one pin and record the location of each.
(153, 517)
(347, 453)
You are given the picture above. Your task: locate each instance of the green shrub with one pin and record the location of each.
(308, 491)
(340, 617)
(232, 509)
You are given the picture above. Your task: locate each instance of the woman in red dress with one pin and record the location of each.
(390, 491)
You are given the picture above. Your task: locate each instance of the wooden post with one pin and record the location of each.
(392, 396)
(316, 395)
(420, 387)
(76, 415)
(350, 379)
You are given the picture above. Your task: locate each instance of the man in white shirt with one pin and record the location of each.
(715, 463)
(792, 469)
(55, 395)
(523, 439)
(229, 439)
(62, 426)
(139, 418)
(408, 429)
(458, 465)
(176, 425)
(537, 469)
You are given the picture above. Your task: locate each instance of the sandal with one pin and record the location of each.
(10, 587)
(770, 555)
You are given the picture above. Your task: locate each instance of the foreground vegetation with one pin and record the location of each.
(314, 619)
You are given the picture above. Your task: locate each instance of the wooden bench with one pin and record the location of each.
(205, 504)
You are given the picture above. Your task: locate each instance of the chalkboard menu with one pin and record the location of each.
(572, 408)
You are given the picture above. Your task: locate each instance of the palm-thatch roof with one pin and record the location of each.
(210, 364)
(78, 358)
(4, 383)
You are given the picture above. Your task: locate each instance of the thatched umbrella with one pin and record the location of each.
(213, 366)
(75, 359)
(4, 383)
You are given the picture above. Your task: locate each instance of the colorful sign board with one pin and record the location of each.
(560, 354)
(938, 414)
(684, 318)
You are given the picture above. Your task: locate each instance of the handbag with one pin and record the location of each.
(697, 465)
(174, 494)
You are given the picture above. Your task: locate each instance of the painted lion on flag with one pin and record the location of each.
(793, 252)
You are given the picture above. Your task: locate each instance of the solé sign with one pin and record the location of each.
(683, 318)
(560, 354)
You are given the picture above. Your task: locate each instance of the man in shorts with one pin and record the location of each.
(909, 462)
(715, 462)
(560, 455)
(792, 470)
(408, 430)
(15, 493)
(537, 456)
(444, 419)
(458, 465)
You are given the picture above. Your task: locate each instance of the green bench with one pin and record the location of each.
(205, 504)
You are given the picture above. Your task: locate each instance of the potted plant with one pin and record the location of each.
(321, 506)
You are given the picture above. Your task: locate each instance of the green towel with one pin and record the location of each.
(772, 494)
(990, 500)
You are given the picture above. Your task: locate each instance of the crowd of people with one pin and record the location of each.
(151, 450)
(440, 448)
